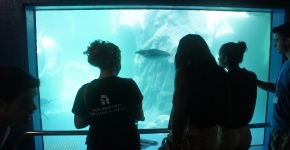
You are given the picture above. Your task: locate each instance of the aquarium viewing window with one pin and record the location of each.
(62, 35)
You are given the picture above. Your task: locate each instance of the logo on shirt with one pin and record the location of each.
(104, 99)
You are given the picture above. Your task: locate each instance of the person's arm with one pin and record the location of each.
(179, 109)
(79, 109)
(81, 121)
(267, 86)
(139, 115)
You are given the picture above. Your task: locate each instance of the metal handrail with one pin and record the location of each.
(85, 132)
(260, 125)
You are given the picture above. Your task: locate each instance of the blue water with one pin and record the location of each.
(62, 36)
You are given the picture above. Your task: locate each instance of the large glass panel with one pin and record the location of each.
(63, 35)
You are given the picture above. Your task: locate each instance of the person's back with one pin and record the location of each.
(207, 96)
(110, 105)
(111, 102)
(243, 87)
(200, 96)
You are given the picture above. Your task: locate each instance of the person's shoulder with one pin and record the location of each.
(249, 73)
(125, 81)
(84, 85)
(286, 64)
(182, 70)
(220, 75)
(220, 70)
(94, 81)
(122, 78)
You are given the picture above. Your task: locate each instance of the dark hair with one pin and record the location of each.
(104, 55)
(283, 30)
(234, 51)
(192, 49)
(13, 80)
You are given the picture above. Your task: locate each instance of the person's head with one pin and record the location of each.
(231, 54)
(17, 92)
(192, 49)
(104, 55)
(282, 38)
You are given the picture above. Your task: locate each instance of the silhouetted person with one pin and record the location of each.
(110, 105)
(201, 95)
(17, 91)
(280, 125)
(243, 87)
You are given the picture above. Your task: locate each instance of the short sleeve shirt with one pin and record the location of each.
(110, 106)
(281, 116)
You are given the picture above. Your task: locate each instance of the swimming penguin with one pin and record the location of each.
(153, 53)
(144, 143)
